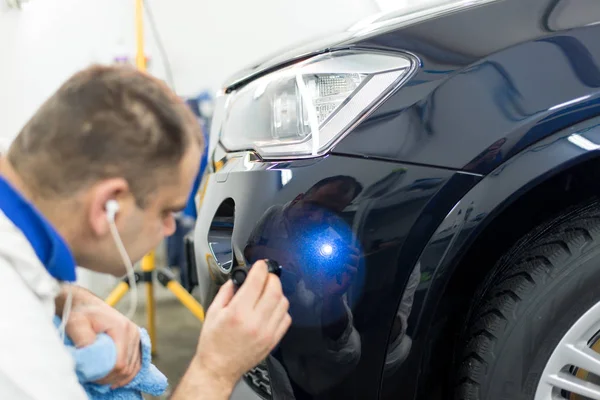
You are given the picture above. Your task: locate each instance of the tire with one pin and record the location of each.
(539, 290)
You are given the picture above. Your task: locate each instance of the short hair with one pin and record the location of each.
(105, 122)
(348, 183)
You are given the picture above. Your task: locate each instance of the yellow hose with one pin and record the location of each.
(140, 58)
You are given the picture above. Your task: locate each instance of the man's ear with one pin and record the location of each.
(109, 189)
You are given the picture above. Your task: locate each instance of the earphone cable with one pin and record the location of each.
(129, 266)
(66, 312)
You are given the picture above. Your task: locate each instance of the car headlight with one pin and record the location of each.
(303, 110)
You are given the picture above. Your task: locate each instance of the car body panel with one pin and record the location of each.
(437, 204)
(391, 217)
(370, 26)
(496, 106)
(468, 219)
(487, 99)
(504, 96)
(409, 216)
(483, 90)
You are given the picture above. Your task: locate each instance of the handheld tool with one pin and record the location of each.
(239, 273)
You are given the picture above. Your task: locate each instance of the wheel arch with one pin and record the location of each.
(487, 221)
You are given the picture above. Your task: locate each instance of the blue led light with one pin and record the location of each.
(318, 253)
(326, 250)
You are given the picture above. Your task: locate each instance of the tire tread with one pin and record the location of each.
(533, 260)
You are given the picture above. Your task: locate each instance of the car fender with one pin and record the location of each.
(487, 109)
(469, 217)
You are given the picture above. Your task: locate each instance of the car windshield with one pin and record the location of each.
(405, 15)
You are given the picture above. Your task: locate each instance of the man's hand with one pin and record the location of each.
(90, 316)
(238, 332)
(339, 284)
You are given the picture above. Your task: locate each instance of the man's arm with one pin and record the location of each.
(80, 297)
(202, 384)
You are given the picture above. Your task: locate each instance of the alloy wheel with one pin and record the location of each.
(573, 370)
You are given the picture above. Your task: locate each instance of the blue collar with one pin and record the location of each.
(49, 246)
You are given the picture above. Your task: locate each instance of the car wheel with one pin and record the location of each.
(534, 332)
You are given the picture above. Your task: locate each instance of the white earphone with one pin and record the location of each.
(112, 208)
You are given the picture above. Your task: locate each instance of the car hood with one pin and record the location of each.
(368, 27)
(288, 55)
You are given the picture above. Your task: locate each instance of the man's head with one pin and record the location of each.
(328, 197)
(335, 193)
(109, 133)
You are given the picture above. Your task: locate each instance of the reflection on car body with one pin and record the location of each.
(320, 262)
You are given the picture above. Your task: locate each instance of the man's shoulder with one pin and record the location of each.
(17, 296)
(21, 262)
(274, 211)
(34, 364)
(12, 240)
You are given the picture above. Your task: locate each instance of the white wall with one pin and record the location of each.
(46, 41)
(391, 5)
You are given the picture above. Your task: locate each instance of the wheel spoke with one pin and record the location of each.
(582, 357)
(573, 384)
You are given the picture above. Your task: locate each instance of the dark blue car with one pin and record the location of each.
(429, 182)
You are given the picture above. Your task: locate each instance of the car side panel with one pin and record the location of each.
(468, 110)
(469, 218)
(391, 219)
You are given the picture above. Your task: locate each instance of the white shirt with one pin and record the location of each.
(34, 363)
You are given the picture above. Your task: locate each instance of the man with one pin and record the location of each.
(109, 133)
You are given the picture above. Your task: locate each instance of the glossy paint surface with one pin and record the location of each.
(493, 80)
(371, 26)
(347, 251)
(408, 224)
(471, 215)
(365, 265)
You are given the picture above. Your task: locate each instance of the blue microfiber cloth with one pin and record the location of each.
(95, 361)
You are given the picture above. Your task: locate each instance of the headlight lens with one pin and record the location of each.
(303, 110)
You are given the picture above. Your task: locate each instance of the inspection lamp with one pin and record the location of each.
(239, 273)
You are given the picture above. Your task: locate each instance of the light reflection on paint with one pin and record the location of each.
(326, 249)
(322, 260)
